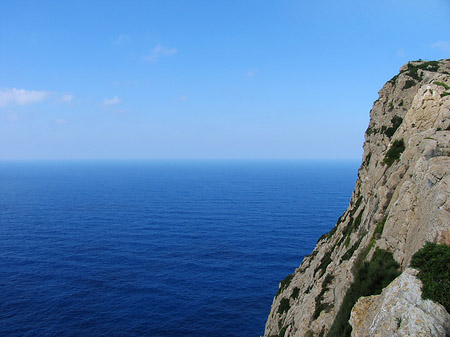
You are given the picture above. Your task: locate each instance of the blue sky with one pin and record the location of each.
(203, 79)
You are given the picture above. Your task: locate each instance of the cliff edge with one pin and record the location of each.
(358, 279)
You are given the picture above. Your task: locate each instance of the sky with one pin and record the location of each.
(177, 79)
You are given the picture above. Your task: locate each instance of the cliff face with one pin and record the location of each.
(401, 200)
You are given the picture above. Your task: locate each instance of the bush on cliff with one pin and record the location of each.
(394, 152)
(396, 122)
(433, 262)
(370, 278)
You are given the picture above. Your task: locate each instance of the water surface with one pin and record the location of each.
(157, 248)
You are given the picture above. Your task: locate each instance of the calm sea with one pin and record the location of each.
(157, 248)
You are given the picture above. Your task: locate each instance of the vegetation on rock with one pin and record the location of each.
(295, 293)
(447, 87)
(394, 152)
(326, 260)
(284, 306)
(370, 278)
(409, 84)
(433, 262)
(285, 283)
(396, 122)
(320, 306)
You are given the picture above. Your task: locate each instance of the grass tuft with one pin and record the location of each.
(447, 87)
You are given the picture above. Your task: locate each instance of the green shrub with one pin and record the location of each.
(429, 66)
(326, 260)
(433, 262)
(347, 241)
(409, 84)
(348, 228)
(323, 236)
(358, 218)
(394, 152)
(445, 94)
(284, 306)
(295, 293)
(349, 253)
(371, 130)
(447, 87)
(367, 159)
(413, 72)
(369, 279)
(308, 289)
(396, 122)
(379, 229)
(285, 283)
(322, 332)
(357, 204)
(393, 80)
(320, 306)
(282, 331)
(333, 230)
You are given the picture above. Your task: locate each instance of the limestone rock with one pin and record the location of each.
(399, 311)
(406, 195)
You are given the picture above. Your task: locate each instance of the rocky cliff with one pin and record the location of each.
(401, 201)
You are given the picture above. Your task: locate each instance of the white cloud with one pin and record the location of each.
(21, 96)
(113, 101)
(160, 51)
(442, 45)
(66, 98)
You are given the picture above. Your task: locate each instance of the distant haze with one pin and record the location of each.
(203, 79)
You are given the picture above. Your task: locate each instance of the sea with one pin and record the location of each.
(157, 248)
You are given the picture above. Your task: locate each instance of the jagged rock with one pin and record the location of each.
(408, 191)
(399, 311)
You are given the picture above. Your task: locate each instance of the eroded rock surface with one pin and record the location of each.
(401, 200)
(399, 311)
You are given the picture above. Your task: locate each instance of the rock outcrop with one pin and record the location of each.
(399, 311)
(401, 201)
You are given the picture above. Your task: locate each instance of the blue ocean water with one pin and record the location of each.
(157, 248)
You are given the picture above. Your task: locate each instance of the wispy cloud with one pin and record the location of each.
(160, 51)
(21, 96)
(61, 121)
(122, 38)
(401, 53)
(251, 73)
(66, 98)
(12, 116)
(442, 45)
(182, 98)
(111, 101)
